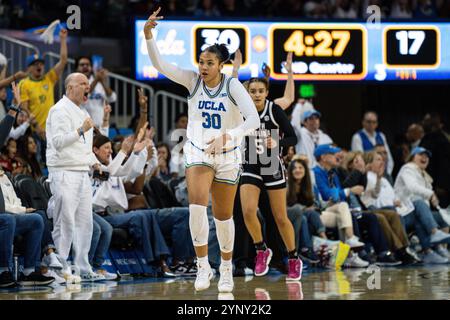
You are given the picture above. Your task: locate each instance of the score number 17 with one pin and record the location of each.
(403, 36)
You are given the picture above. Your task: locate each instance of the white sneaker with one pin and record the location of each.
(204, 276)
(106, 274)
(354, 261)
(354, 242)
(58, 278)
(439, 236)
(91, 276)
(226, 283)
(68, 276)
(51, 260)
(443, 252)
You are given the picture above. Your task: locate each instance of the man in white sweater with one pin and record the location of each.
(69, 159)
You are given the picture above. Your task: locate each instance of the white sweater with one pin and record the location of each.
(413, 184)
(12, 202)
(66, 150)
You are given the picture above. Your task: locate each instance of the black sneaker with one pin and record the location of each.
(184, 269)
(34, 279)
(309, 256)
(387, 260)
(7, 280)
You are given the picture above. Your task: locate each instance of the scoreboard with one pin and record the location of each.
(321, 51)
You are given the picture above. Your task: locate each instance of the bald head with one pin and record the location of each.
(414, 133)
(77, 88)
(370, 121)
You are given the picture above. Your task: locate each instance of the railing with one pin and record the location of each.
(17, 51)
(166, 108)
(126, 106)
(163, 109)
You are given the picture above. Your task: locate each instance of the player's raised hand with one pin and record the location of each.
(151, 23)
(288, 64)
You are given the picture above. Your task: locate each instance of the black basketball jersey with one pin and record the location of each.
(256, 151)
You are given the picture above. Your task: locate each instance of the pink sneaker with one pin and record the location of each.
(262, 262)
(294, 269)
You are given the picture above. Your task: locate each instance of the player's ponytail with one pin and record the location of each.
(220, 50)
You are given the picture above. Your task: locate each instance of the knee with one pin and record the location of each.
(107, 229)
(36, 221)
(281, 220)
(382, 220)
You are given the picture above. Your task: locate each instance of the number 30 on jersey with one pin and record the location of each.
(211, 120)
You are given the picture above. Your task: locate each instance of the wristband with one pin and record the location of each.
(14, 108)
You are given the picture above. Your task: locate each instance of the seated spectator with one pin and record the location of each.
(331, 190)
(162, 172)
(316, 9)
(435, 140)
(345, 9)
(100, 92)
(8, 160)
(381, 150)
(368, 137)
(415, 215)
(110, 199)
(27, 150)
(389, 220)
(29, 225)
(425, 9)
(311, 136)
(337, 212)
(207, 9)
(401, 9)
(178, 134)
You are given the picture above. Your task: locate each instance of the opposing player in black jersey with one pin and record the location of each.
(263, 168)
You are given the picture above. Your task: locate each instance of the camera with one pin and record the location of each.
(104, 176)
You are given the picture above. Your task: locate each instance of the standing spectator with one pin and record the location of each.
(69, 159)
(311, 136)
(36, 91)
(99, 90)
(368, 137)
(414, 135)
(435, 140)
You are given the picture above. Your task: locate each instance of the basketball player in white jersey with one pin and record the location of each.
(217, 105)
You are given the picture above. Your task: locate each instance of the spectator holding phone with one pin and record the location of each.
(99, 90)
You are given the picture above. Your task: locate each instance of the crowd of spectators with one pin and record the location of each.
(117, 15)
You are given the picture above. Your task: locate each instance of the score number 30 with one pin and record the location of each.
(304, 45)
(227, 36)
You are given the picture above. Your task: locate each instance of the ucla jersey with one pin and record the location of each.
(211, 114)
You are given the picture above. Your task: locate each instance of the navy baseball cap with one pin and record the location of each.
(325, 149)
(419, 150)
(309, 113)
(33, 58)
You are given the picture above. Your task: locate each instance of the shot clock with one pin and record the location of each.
(321, 52)
(414, 47)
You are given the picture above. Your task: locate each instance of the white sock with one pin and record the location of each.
(203, 260)
(226, 263)
(28, 271)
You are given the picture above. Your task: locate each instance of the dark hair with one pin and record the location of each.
(256, 79)
(181, 115)
(77, 61)
(100, 140)
(220, 50)
(165, 145)
(305, 196)
(22, 152)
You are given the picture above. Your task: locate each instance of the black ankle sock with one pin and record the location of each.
(261, 246)
(293, 254)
